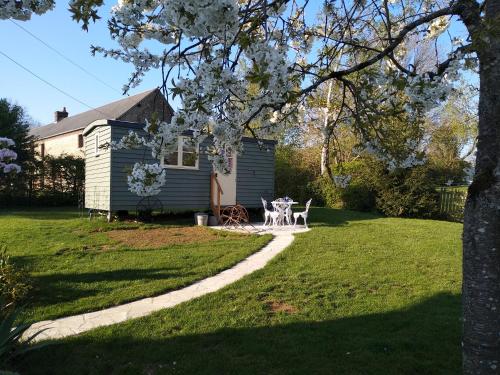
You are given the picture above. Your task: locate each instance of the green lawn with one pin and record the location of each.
(75, 267)
(358, 294)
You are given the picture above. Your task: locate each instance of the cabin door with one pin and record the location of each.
(228, 184)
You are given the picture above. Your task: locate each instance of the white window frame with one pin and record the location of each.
(180, 143)
(96, 146)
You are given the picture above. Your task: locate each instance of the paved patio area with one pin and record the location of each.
(259, 228)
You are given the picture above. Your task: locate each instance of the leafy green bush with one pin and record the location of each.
(357, 196)
(325, 193)
(14, 281)
(49, 181)
(404, 192)
(441, 172)
(294, 169)
(408, 193)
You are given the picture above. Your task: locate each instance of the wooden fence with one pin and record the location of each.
(452, 202)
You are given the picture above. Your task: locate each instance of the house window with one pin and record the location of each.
(186, 156)
(42, 150)
(80, 140)
(97, 144)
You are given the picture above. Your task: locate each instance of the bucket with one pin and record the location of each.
(212, 221)
(201, 218)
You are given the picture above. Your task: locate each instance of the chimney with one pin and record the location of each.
(59, 115)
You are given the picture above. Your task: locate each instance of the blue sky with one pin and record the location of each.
(58, 30)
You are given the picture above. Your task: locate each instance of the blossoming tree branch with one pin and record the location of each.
(247, 67)
(8, 156)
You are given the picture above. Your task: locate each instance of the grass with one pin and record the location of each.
(359, 294)
(77, 266)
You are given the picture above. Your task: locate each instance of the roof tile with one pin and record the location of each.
(109, 111)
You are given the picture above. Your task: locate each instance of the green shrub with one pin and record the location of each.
(356, 196)
(51, 181)
(325, 193)
(14, 281)
(408, 193)
(405, 192)
(294, 170)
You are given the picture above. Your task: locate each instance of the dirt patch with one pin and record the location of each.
(159, 237)
(276, 306)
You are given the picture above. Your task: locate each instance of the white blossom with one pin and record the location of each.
(17, 10)
(392, 163)
(235, 72)
(10, 167)
(146, 180)
(7, 156)
(342, 181)
(6, 142)
(437, 27)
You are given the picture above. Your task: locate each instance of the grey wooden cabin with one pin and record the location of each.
(188, 187)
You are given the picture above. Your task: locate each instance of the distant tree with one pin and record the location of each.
(14, 124)
(451, 133)
(452, 128)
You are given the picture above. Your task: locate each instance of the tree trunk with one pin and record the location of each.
(325, 157)
(326, 135)
(481, 237)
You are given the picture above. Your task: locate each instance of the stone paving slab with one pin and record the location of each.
(73, 325)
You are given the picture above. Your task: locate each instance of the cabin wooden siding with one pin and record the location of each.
(255, 173)
(185, 189)
(106, 185)
(97, 170)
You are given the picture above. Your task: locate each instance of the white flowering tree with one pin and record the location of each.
(146, 180)
(8, 156)
(246, 67)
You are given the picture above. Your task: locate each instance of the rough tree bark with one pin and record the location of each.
(481, 236)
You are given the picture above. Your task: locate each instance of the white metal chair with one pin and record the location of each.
(281, 212)
(278, 215)
(302, 214)
(267, 213)
(288, 214)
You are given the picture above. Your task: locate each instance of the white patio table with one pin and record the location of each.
(284, 208)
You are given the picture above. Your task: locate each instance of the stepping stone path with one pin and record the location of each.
(73, 325)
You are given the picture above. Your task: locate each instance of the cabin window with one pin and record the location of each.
(189, 153)
(185, 157)
(80, 140)
(97, 144)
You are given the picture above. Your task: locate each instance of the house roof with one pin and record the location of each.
(109, 111)
(137, 126)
